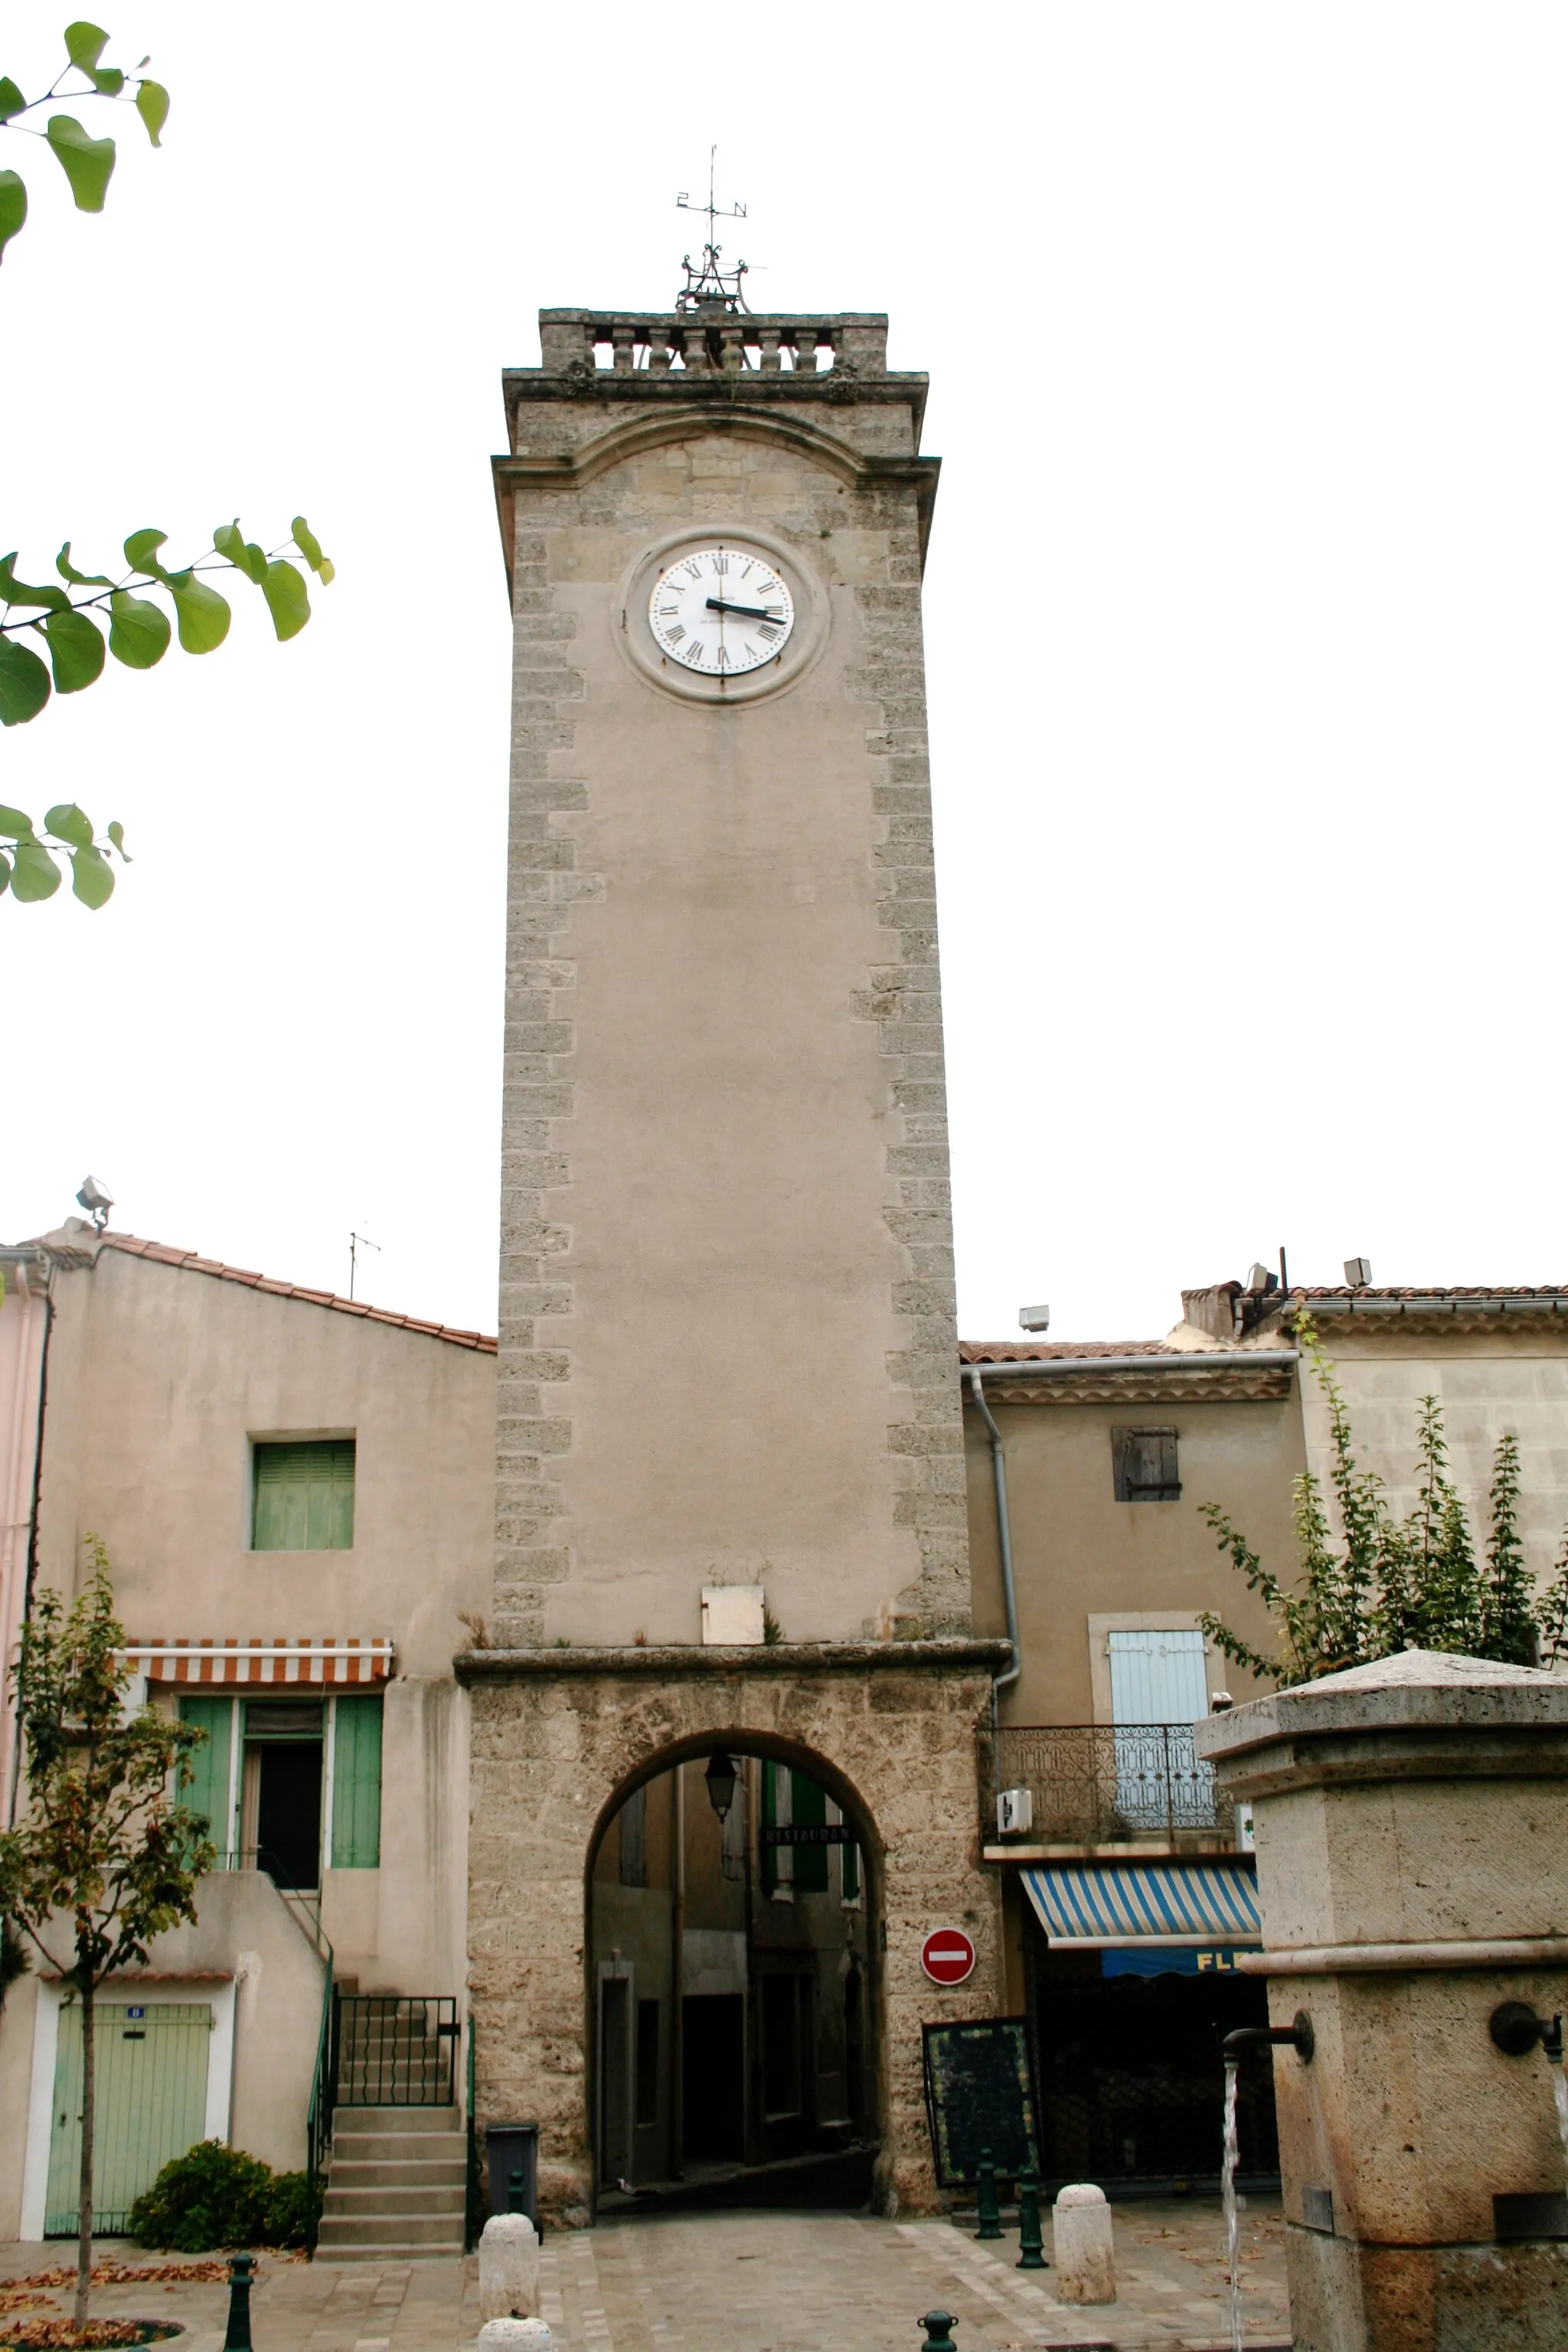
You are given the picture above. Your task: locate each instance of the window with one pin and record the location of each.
(282, 1790)
(304, 1496)
(271, 1768)
(1145, 1461)
(1158, 1676)
(634, 1839)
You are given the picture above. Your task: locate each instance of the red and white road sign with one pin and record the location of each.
(947, 1956)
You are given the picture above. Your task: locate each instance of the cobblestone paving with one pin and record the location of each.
(751, 2282)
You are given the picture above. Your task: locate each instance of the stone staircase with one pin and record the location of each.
(396, 2187)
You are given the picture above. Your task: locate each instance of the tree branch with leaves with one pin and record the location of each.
(66, 626)
(107, 1854)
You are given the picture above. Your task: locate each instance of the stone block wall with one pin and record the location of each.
(558, 1740)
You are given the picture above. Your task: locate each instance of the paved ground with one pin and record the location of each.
(748, 2282)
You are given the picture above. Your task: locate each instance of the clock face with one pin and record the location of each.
(721, 610)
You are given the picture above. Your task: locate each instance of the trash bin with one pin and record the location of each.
(509, 2149)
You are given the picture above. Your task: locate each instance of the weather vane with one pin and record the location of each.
(711, 288)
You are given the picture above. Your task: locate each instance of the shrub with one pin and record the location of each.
(219, 2196)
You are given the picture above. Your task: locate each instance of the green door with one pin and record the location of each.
(152, 2105)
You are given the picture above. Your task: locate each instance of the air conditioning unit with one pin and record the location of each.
(1014, 1812)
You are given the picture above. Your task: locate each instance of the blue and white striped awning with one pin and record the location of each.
(1094, 1906)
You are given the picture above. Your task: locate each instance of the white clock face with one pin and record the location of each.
(721, 610)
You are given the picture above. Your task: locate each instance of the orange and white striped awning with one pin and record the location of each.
(366, 1658)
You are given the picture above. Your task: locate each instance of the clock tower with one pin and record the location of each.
(729, 1472)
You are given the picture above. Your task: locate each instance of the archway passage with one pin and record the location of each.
(730, 1990)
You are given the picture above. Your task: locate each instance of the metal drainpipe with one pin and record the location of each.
(1004, 1546)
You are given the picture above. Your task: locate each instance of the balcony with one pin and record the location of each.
(1096, 1784)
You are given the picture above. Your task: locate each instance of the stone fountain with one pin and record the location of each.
(1412, 1829)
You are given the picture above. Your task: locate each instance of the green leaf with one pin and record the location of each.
(17, 592)
(34, 875)
(5, 875)
(86, 162)
(13, 208)
(152, 106)
(76, 651)
(24, 684)
(309, 545)
(202, 613)
(85, 44)
(284, 588)
(116, 833)
(68, 823)
(17, 823)
(11, 99)
(67, 571)
(93, 876)
(246, 556)
(141, 551)
(139, 632)
(108, 80)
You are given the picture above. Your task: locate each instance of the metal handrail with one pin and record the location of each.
(1099, 1782)
(475, 2201)
(396, 2050)
(319, 2117)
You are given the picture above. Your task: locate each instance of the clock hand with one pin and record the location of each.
(747, 611)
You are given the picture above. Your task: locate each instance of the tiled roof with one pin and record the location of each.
(1045, 1351)
(1546, 1290)
(192, 1264)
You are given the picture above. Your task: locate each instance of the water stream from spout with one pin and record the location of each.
(1233, 2211)
(1560, 2093)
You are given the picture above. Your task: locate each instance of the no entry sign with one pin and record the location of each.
(947, 1956)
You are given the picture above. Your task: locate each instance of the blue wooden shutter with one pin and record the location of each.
(356, 1784)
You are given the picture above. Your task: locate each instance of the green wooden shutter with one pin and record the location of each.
(770, 1853)
(304, 1498)
(356, 1784)
(210, 1791)
(808, 1805)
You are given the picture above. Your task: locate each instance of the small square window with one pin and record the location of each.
(304, 1496)
(1144, 1461)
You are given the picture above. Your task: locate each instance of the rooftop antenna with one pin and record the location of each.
(358, 1242)
(711, 288)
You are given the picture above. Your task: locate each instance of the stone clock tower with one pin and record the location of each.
(729, 1488)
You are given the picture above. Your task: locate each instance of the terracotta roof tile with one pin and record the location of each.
(1041, 1351)
(188, 1260)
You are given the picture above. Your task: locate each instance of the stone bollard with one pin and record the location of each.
(509, 2268)
(514, 2335)
(1086, 2258)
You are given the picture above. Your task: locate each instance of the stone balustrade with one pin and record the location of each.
(628, 342)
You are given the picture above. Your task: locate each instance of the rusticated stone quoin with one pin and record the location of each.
(561, 1738)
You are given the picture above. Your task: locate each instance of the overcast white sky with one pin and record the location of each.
(1246, 330)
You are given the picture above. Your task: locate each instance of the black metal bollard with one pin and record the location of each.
(241, 2269)
(515, 2203)
(987, 2210)
(938, 2325)
(1031, 2244)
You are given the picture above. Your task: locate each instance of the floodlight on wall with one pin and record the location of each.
(1358, 1273)
(721, 1779)
(1035, 1318)
(97, 1200)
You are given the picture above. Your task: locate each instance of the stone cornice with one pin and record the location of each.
(687, 1661)
(678, 417)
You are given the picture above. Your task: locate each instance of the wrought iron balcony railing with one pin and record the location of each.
(1094, 1782)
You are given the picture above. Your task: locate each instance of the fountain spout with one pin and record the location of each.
(1516, 2029)
(1298, 2036)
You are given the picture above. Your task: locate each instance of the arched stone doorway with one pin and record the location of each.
(561, 1738)
(733, 1985)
